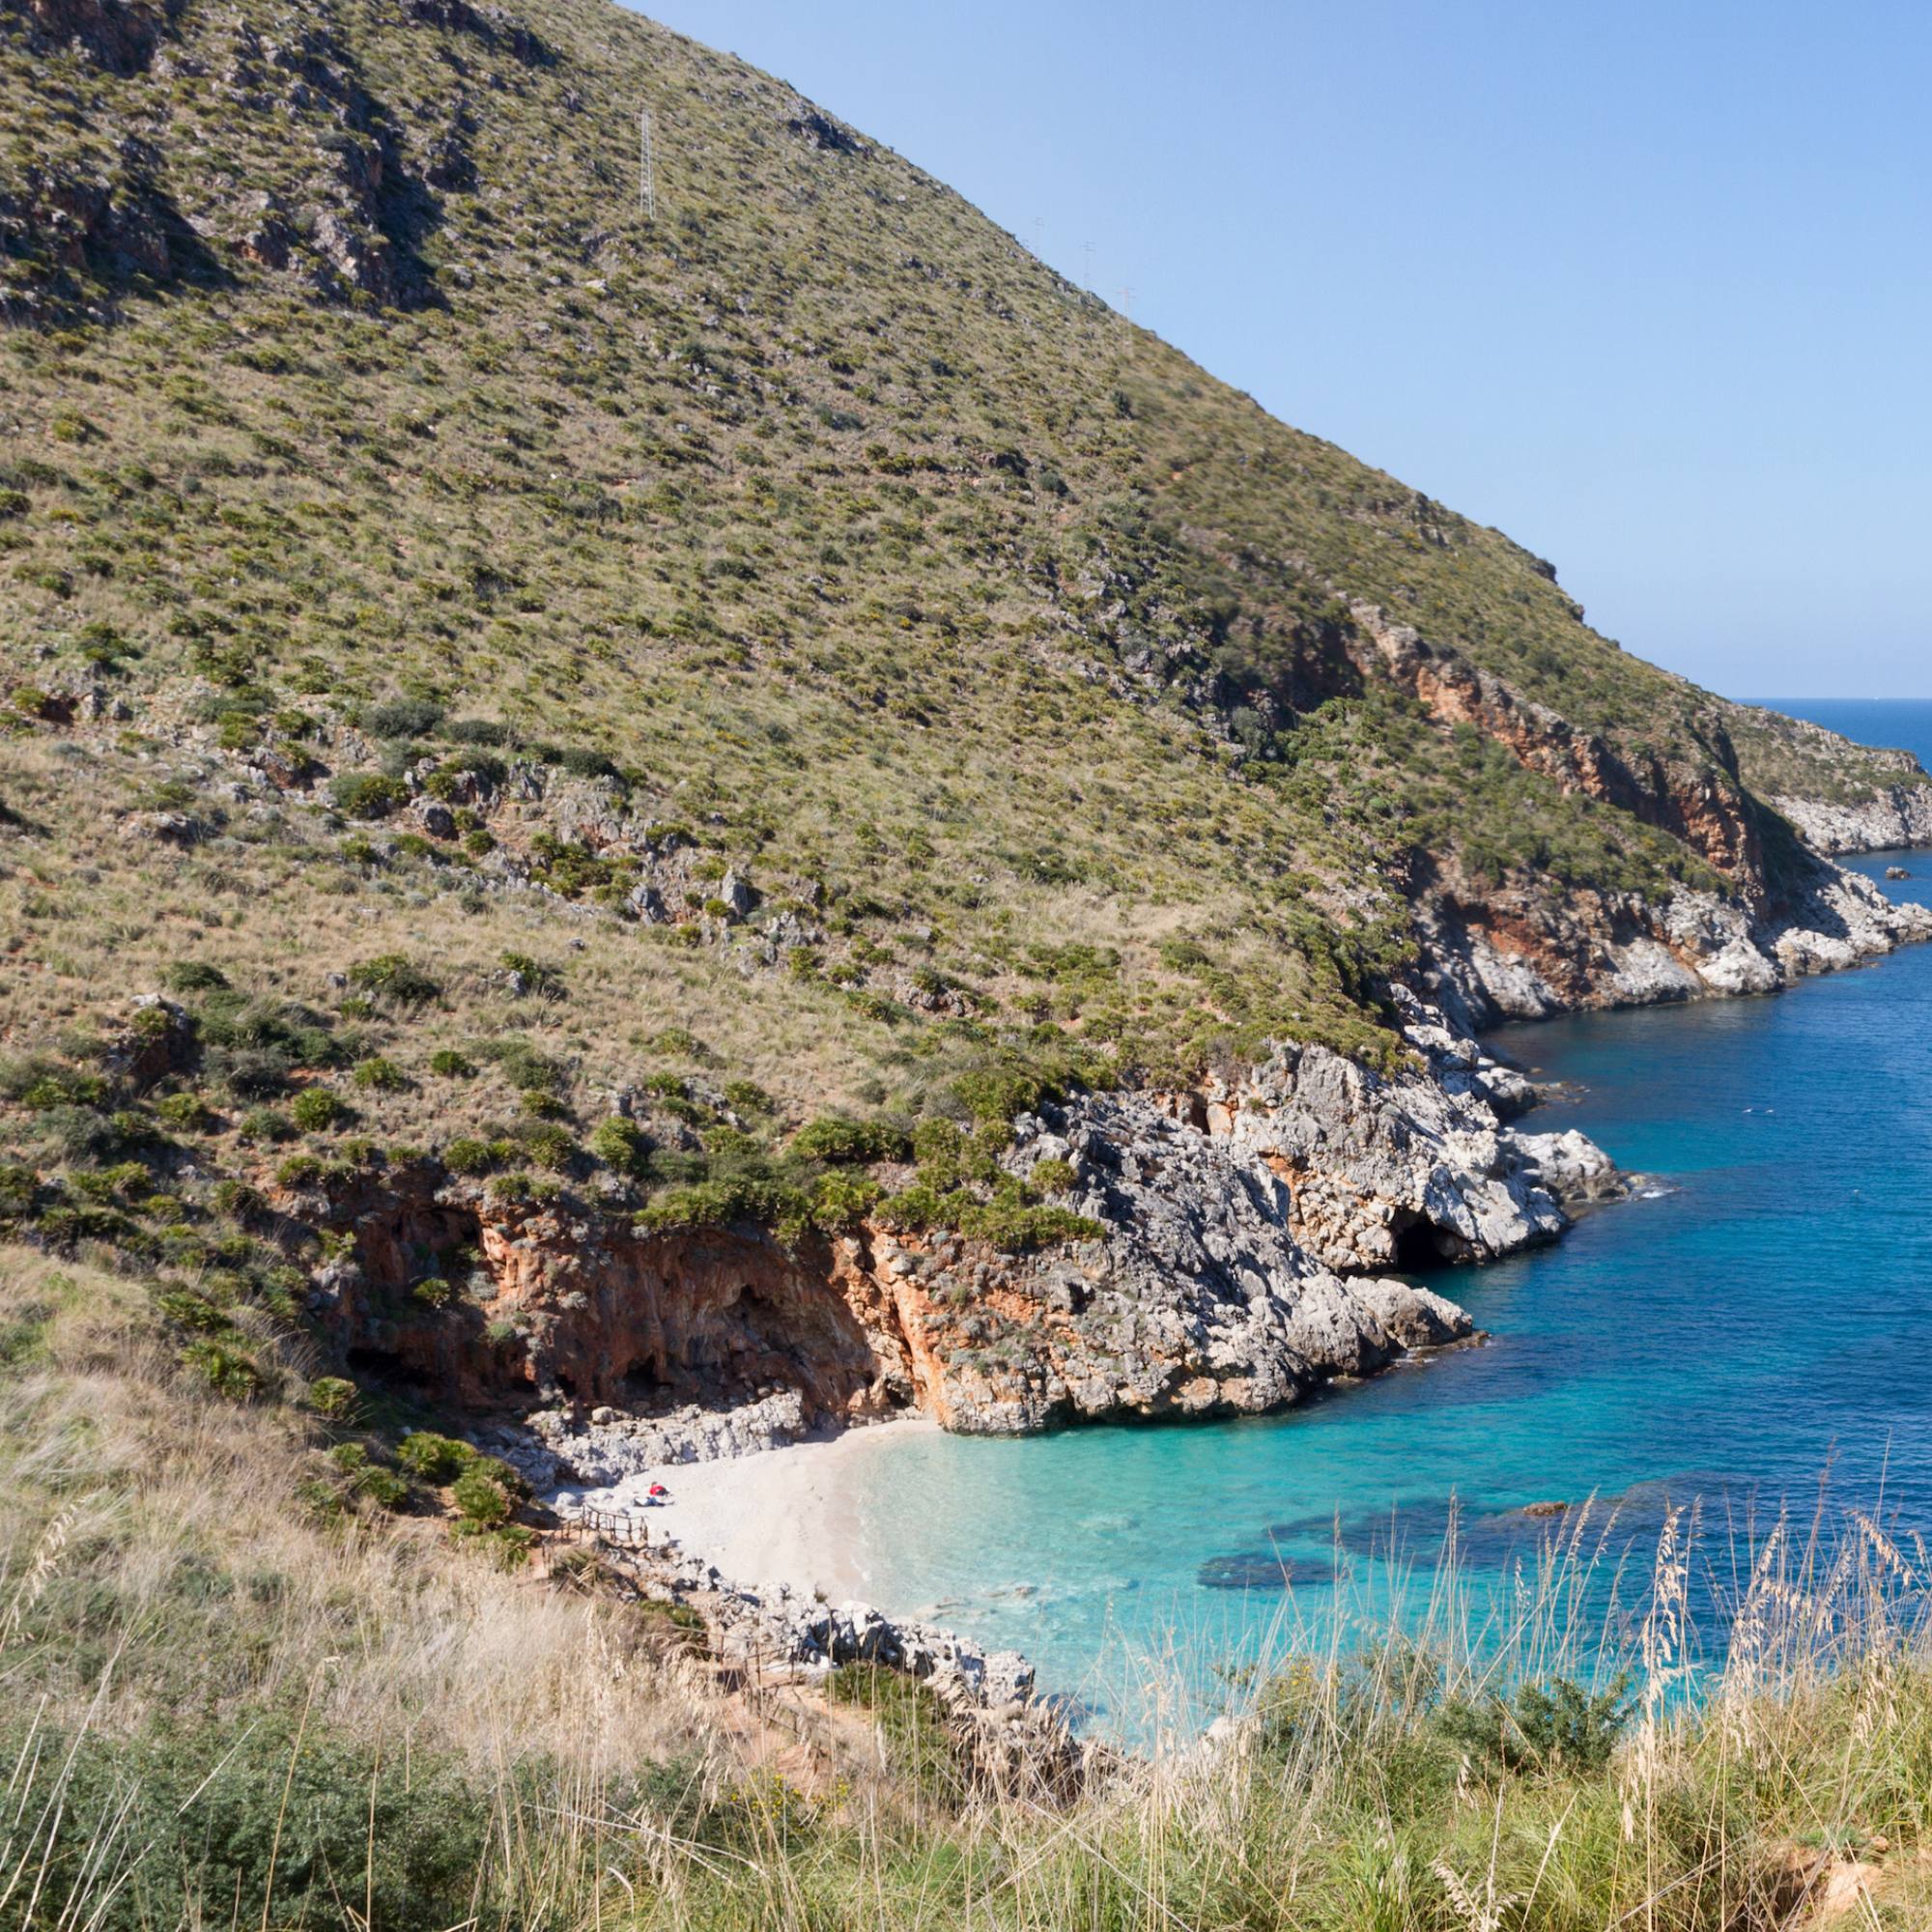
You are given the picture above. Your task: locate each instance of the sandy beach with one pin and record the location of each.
(779, 1515)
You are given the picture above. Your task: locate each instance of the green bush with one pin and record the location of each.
(380, 1075)
(469, 1155)
(402, 718)
(482, 1496)
(551, 1146)
(621, 1144)
(747, 1097)
(365, 1478)
(299, 1169)
(523, 1065)
(19, 1187)
(367, 794)
(186, 1113)
(193, 976)
(393, 977)
(840, 1142)
(449, 1064)
(843, 1196)
(227, 1812)
(332, 1397)
(317, 1109)
(225, 1369)
(1557, 1724)
(434, 1459)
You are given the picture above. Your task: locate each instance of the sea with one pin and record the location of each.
(1751, 1334)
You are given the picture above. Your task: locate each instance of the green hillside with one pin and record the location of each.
(1005, 654)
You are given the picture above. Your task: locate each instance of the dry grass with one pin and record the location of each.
(162, 1586)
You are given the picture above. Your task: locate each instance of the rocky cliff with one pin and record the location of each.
(1246, 1238)
(1524, 953)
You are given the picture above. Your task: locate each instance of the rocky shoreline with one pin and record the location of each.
(1253, 1236)
(1898, 818)
(776, 1628)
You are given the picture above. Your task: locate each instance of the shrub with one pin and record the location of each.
(193, 976)
(551, 1145)
(481, 1494)
(365, 1478)
(850, 1143)
(507, 1544)
(402, 718)
(1052, 1177)
(468, 1155)
(1557, 1724)
(522, 1064)
(264, 1123)
(367, 794)
(258, 1075)
(187, 1113)
(299, 1169)
(332, 1397)
(41, 1084)
(19, 1185)
(621, 1144)
(843, 1196)
(225, 1809)
(192, 1311)
(434, 1459)
(449, 1064)
(433, 1290)
(380, 1075)
(318, 1109)
(225, 1369)
(237, 1200)
(391, 977)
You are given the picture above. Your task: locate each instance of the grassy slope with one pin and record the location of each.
(920, 585)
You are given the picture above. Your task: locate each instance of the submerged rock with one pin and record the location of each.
(1262, 1570)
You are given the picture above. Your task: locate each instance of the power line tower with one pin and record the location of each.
(647, 171)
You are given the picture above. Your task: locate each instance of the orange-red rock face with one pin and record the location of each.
(1211, 1288)
(1707, 809)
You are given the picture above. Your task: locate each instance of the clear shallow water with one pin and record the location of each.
(1765, 1315)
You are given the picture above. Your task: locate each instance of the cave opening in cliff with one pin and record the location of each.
(1415, 1247)
(388, 1366)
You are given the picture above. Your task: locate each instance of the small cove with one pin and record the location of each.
(1762, 1317)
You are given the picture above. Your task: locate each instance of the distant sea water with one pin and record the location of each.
(1761, 1318)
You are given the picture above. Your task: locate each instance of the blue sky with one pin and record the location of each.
(1647, 285)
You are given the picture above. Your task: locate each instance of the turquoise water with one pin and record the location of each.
(1764, 1316)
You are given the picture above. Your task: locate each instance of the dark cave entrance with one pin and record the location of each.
(1416, 1247)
